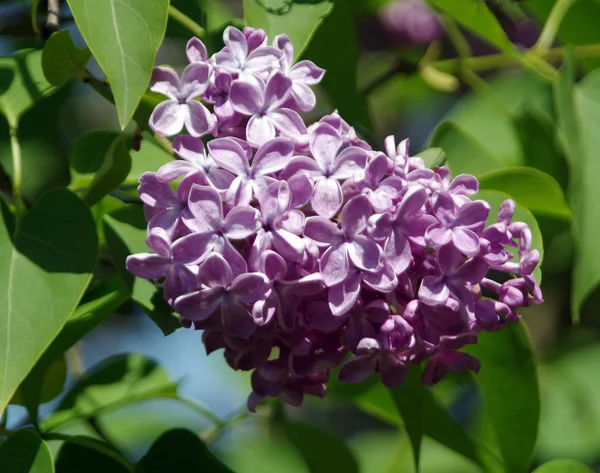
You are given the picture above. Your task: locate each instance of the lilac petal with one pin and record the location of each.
(290, 246)
(357, 369)
(412, 201)
(239, 192)
(165, 81)
(308, 285)
(215, 272)
(473, 270)
(186, 184)
(355, 215)
(384, 280)
(259, 130)
(168, 117)
(273, 266)
(237, 320)
(392, 371)
(220, 178)
(437, 236)
(380, 200)
(207, 208)
(195, 79)
(271, 206)
(236, 43)
(225, 62)
(472, 213)
(283, 43)
(417, 228)
(289, 123)
(263, 311)
(148, 265)
(433, 291)
(304, 97)
(190, 148)
(246, 98)
(464, 184)
(262, 58)
(272, 156)
(306, 72)
(199, 305)
(324, 144)
(166, 219)
(466, 241)
(334, 264)
(301, 189)
(241, 222)
(344, 295)
(198, 121)
(327, 197)
(233, 257)
(159, 241)
(398, 252)
(449, 258)
(365, 253)
(249, 287)
(319, 317)
(322, 231)
(376, 169)
(391, 186)
(174, 169)
(228, 154)
(380, 226)
(293, 222)
(196, 51)
(262, 242)
(156, 193)
(300, 164)
(349, 161)
(192, 248)
(178, 281)
(277, 90)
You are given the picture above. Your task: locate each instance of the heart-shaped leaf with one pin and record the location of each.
(25, 452)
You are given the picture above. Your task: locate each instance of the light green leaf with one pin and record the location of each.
(299, 20)
(433, 157)
(34, 16)
(61, 59)
(335, 49)
(100, 162)
(123, 37)
(563, 466)
(463, 153)
(44, 274)
(180, 451)
(22, 83)
(25, 452)
(125, 232)
(150, 157)
(476, 17)
(84, 454)
(509, 385)
(322, 451)
(529, 187)
(48, 384)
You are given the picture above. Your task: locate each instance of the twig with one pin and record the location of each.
(400, 66)
(17, 174)
(53, 20)
(186, 21)
(552, 24)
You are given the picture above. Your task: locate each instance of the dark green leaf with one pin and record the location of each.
(117, 381)
(335, 48)
(22, 83)
(563, 466)
(529, 187)
(25, 452)
(299, 20)
(61, 59)
(44, 275)
(475, 16)
(125, 231)
(322, 451)
(100, 162)
(48, 385)
(463, 153)
(509, 385)
(123, 37)
(180, 451)
(409, 400)
(88, 455)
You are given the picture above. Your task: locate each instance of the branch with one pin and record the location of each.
(186, 21)
(52, 23)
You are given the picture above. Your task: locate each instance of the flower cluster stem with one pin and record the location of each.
(17, 177)
(546, 38)
(186, 21)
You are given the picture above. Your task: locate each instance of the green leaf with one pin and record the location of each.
(463, 152)
(61, 59)
(509, 385)
(48, 386)
(579, 118)
(46, 266)
(123, 36)
(22, 83)
(112, 383)
(150, 157)
(25, 452)
(335, 48)
(409, 401)
(475, 16)
(34, 16)
(529, 187)
(100, 162)
(180, 451)
(563, 466)
(433, 157)
(322, 451)
(125, 232)
(299, 20)
(84, 454)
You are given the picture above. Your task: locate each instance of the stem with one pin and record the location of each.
(17, 178)
(52, 23)
(186, 21)
(552, 24)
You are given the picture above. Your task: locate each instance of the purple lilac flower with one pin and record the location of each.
(292, 247)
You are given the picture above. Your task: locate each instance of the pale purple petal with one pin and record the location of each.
(365, 253)
(148, 265)
(196, 51)
(237, 320)
(327, 197)
(190, 149)
(289, 123)
(228, 154)
(433, 291)
(355, 215)
(376, 169)
(466, 241)
(220, 178)
(207, 209)
(306, 72)
(334, 264)
(262, 58)
(343, 296)
(193, 247)
(305, 98)
(349, 161)
(384, 280)
(290, 246)
(464, 184)
(301, 188)
(300, 165)
(174, 169)
(168, 117)
(194, 79)
(259, 130)
(165, 81)
(156, 193)
(272, 156)
(198, 120)
(246, 98)
(277, 90)
(293, 221)
(236, 44)
(273, 266)
(215, 272)
(323, 231)
(436, 235)
(241, 222)
(249, 288)
(199, 305)
(324, 144)
(233, 257)
(472, 213)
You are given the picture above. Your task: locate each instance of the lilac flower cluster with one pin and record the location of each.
(293, 247)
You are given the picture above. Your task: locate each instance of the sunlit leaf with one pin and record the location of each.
(61, 59)
(563, 466)
(123, 36)
(25, 452)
